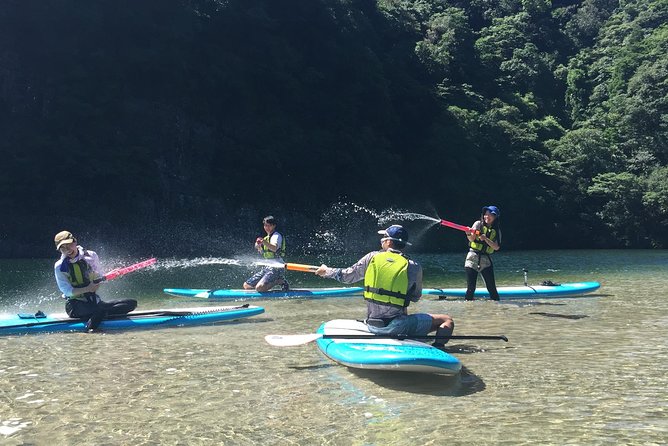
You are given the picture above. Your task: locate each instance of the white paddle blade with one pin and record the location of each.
(204, 294)
(291, 340)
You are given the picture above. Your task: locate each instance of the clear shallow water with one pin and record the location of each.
(576, 371)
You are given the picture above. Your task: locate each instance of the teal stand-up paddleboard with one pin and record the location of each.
(521, 292)
(173, 317)
(403, 355)
(252, 294)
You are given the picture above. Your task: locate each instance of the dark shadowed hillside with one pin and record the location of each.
(169, 123)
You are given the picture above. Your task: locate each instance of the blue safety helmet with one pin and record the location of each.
(396, 233)
(492, 210)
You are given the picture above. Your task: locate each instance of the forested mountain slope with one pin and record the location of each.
(144, 118)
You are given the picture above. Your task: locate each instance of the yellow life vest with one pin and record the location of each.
(479, 245)
(80, 275)
(386, 279)
(268, 253)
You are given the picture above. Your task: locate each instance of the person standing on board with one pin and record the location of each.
(391, 282)
(484, 239)
(76, 271)
(270, 247)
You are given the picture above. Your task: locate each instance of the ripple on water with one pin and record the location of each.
(599, 379)
(12, 426)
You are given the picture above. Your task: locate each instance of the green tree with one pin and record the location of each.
(620, 210)
(498, 41)
(655, 201)
(445, 40)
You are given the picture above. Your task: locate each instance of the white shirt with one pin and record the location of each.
(63, 278)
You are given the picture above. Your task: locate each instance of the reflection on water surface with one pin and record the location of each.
(576, 371)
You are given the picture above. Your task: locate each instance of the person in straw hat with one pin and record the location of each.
(76, 273)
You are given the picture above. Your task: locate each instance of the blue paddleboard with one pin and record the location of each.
(382, 354)
(522, 292)
(29, 323)
(252, 294)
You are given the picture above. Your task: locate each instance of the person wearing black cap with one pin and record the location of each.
(391, 282)
(484, 239)
(270, 247)
(76, 271)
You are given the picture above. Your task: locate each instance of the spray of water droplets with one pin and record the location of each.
(346, 226)
(392, 215)
(198, 261)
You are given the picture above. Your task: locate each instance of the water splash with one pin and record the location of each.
(346, 209)
(391, 215)
(203, 261)
(349, 227)
(198, 261)
(269, 263)
(344, 227)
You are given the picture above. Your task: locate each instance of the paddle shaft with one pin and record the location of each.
(403, 337)
(295, 340)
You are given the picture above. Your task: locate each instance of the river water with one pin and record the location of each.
(582, 371)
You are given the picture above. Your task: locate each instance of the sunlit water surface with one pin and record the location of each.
(590, 370)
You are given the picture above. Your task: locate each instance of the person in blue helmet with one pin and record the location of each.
(391, 282)
(484, 239)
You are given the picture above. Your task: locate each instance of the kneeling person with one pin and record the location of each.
(271, 247)
(391, 282)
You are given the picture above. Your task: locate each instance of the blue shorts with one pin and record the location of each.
(418, 324)
(267, 275)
